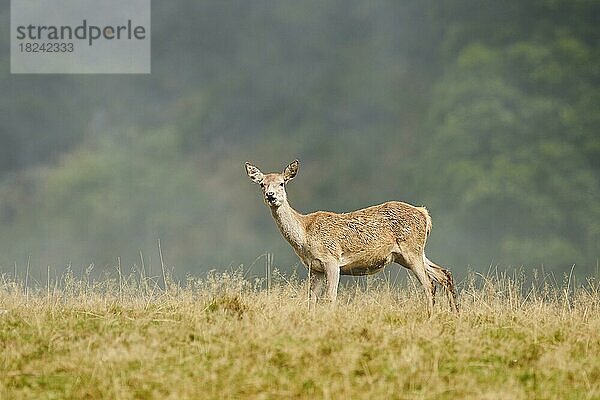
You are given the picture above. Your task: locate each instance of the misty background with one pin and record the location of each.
(486, 112)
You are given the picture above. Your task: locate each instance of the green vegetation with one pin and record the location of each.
(226, 337)
(486, 112)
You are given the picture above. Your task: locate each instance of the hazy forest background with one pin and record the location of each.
(486, 112)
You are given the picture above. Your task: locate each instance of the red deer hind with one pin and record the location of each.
(360, 242)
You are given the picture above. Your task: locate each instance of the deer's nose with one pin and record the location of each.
(270, 194)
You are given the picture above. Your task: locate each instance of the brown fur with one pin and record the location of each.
(361, 242)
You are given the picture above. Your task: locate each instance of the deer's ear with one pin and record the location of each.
(291, 170)
(254, 173)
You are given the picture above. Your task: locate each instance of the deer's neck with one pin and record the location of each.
(291, 225)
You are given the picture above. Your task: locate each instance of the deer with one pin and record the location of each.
(356, 243)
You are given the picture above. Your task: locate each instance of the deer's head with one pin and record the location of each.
(273, 184)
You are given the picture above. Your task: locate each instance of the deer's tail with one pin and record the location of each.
(425, 213)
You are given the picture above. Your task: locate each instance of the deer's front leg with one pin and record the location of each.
(332, 271)
(316, 285)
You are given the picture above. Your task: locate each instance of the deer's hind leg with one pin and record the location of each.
(417, 266)
(444, 278)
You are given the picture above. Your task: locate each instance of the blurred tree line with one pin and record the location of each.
(486, 112)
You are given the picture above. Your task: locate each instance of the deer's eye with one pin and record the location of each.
(281, 184)
(262, 185)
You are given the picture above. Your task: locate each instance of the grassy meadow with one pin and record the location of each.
(223, 336)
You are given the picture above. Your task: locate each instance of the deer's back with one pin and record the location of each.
(367, 234)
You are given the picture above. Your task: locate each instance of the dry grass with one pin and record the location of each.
(224, 337)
